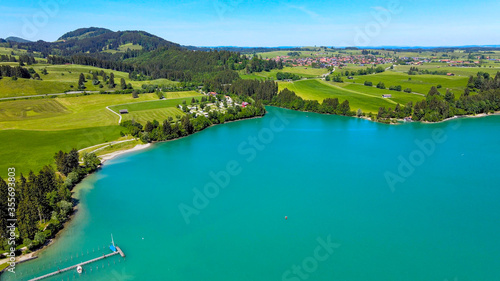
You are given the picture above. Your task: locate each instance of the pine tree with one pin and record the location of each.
(4, 214)
(72, 161)
(449, 97)
(26, 211)
(111, 81)
(81, 81)
(433, 91)
(186, 124)
(123, 85)
(167, 128)
(60, 158)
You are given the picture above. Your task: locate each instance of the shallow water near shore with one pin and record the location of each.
(362, 200)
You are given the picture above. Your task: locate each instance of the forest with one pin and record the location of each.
(438, 106)
(43, 201)
(156, 59)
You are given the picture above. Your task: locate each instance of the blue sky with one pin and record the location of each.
(265, 23)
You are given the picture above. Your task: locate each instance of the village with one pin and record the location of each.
(334, 61)
(219, 104)
(323, 61)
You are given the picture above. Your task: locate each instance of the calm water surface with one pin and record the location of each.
(363, 201)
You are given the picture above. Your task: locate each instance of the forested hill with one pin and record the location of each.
(145, 56)
(83, 33)
(16, 39)
(97, 40)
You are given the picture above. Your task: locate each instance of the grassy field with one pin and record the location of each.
(398, 97)
(138, 106)
(63, 113)
(154, 110)
(31, 150)
(130, 46)
(460, 71)
(33, 130)
(358, 99)
(306, 72)
(159, 114)
(31, 109)
(62, 78)
(355, 67)
(418, 83)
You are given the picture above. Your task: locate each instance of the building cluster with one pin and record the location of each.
(334, 61)
(220, 106)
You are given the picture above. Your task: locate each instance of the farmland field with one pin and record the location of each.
(62, 78)
(460, 71)
(159, 114)
(31, 150)
(418, 83)
(138, 106)
(305, 72)
(399, 97)
(72, 112)
(40, 127)
(319, 90)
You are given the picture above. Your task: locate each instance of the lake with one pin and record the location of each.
(294, 196)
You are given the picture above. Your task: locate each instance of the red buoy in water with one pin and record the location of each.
(286, 217)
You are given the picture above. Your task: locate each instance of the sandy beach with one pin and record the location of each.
(112, 155)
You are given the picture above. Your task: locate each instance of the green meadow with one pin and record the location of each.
(459, 71)
(63, 78)
(124, 48)
(138, 106)
(31, 150)
(67, 112)
(418, 83)
(359, 98)
(155, 110)
(305, 72)
(32, 130)
(159, 114)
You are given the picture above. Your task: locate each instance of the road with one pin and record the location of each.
(48, 95)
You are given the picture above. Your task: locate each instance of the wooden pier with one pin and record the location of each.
(118, 252)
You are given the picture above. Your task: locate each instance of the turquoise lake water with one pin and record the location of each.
(363, 201)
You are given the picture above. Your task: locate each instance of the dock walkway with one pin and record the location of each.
(118, 252)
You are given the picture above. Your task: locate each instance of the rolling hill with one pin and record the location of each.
(83, 33)
(16, 39)
(96, 40)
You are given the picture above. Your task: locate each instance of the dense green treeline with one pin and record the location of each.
(437, 106)
(42, 202)
(189, 124)
(287, 76)
(16, 71)
(366, 71)
(157, 57)
(96, 44)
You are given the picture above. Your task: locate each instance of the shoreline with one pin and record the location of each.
(109, 156)
(400, 121)
(104, 158)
